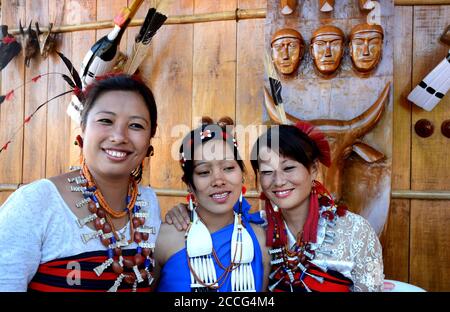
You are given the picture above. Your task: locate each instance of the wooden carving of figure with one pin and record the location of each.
(343, 136)
(366, 45)
(327, 49)
(287, 50)
(326, 5)
(287, 6)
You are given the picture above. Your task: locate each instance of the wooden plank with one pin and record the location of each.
(169, 71)
(429, 266)
(82, 11)
(249, 83)
(58, 125)
(395, 238)
(167, 202)
(12, 112)
(430, 247)
(429, 153)
(214, 76)
(34, 149)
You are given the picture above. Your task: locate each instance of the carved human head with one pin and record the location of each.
(327, 48)
(366, 44)
(287, 50)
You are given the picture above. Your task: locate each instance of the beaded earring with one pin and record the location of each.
(190, 197)
(310, 227)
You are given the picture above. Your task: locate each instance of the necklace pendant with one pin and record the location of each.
(291, 275)
(102, 267)
(276, 261)
(273, 286)
(146, 245)
(90, 218)
(78, 188)
(146, 229)
(150, 278)
(301, 267)
(274, 251)
(142, 203)
(107, 235)
(142, 214)
(87, 194)
(83, 202)
(328, 253)
(308, 254)
(87, 237)
(71, 180)
(117, 283)
(71, 168)
(272, 275)
(139, 278)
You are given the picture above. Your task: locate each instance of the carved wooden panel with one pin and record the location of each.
(344, 95)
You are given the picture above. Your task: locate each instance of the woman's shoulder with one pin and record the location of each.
(39, 190)
(355, 223)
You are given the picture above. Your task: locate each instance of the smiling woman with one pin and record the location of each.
(222, 251)
(92, 229)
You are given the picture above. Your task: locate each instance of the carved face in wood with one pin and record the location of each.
(327, 48)
(287, 50)
(366, 44)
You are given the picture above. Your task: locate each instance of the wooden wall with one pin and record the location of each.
(216, 69)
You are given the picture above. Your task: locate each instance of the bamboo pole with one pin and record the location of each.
(397, 194)
(238, 14)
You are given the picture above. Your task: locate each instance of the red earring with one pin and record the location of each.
(310, 227)
(79, 141)
(190, 198)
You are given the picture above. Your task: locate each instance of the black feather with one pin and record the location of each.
(144, 26)
(69, 81)
(73, 72)
(2, 98)
(275, 88)
(153, 21)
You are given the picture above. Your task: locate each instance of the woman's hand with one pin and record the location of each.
(179, 217)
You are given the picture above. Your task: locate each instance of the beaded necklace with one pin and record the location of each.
(132, 271)
(293, 262)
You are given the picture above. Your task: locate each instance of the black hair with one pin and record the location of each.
(288, 141)
(216, 131)
(119, 82)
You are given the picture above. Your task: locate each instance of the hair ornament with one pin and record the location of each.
(319, 140)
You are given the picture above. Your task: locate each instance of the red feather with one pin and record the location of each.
(36, 78)
(8, 40)
(9, 95)
(4, 147)
(319, 139)
(27, 119)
